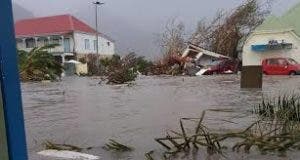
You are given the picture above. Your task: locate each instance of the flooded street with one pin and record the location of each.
(81, 112)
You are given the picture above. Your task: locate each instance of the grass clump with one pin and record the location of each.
(264, 136)
(283, 107)
(113, 145)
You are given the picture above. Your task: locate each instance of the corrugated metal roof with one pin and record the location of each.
(289, 20)
(292, 18)
(272, 23)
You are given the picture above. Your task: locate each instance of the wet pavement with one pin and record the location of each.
(81, 112)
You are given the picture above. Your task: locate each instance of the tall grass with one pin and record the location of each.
(284, 107)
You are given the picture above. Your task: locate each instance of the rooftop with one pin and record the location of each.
(60, 24)
(289, 20)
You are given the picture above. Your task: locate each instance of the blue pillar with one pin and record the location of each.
(10, 86)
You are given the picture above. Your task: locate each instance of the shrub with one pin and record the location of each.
(284, 107)
(123, 71)
(38, 64)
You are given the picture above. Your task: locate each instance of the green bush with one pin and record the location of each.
(38, 64)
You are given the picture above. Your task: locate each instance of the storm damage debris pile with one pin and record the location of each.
(169, 65)
(38, 64)
(264, 136)
(122, 71)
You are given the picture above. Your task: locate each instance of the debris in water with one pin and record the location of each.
(60, 147)
(148, 155)
(266, 136)
(116, 146)
(68, 155)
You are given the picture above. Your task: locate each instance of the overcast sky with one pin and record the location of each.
(135, 23)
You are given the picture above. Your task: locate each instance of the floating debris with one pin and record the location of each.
(67, 147)
(266, 136)
(148, 155)
(116, 146)
(68, 155)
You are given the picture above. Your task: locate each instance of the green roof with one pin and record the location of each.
(289, 20)
(272, 23)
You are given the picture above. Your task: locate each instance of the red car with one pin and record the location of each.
(280, 66)
(223, 66)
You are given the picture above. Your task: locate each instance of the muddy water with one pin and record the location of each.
(82, 112)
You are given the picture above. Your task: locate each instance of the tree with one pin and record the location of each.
(172, 39)
(123, 71)
(224, 33)
(38, 64)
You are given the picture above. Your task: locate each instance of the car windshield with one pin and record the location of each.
(292, 61)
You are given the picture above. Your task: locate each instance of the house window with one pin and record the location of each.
(46, 41)
(108, 43)
(95, 44)
(87, 44)
(55, 41)
(30, 43)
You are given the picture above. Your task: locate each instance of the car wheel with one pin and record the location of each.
(292, 73)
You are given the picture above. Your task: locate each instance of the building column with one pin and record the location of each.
(49, 42)
(24, 42)
(36, 41)
(63, 60)
(63, 43)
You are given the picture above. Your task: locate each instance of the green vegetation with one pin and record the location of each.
(107, 62)
(122, 70)
(38, 64)
(285, 108)
(264, 136)
(116, 146)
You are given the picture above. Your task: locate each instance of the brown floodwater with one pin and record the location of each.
(81, 112)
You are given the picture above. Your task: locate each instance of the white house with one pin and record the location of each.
(276, 37)
(76, 38)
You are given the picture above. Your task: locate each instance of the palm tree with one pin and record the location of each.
(38, 64)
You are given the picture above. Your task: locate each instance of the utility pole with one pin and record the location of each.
(97, 3)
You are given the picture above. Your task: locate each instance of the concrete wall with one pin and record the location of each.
(104, 48)
(251, 58)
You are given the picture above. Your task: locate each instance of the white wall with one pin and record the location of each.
(251, 58)
(104, 49)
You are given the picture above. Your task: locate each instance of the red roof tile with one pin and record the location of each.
(51, 25)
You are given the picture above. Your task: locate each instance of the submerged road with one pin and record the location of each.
(81, 112)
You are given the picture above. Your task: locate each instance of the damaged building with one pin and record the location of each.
(199, 61)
